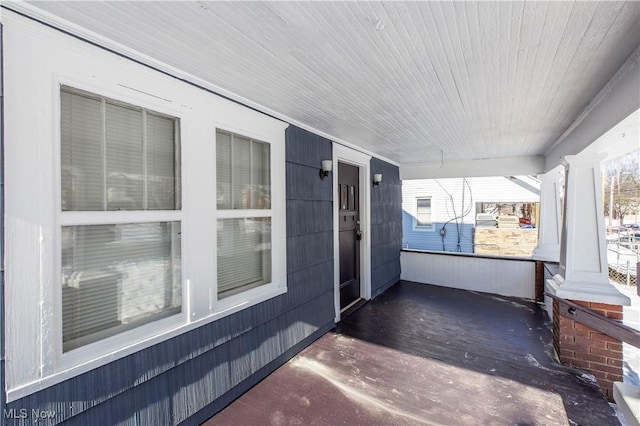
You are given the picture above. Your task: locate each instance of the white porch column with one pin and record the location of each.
(549, 223)
(584, 273)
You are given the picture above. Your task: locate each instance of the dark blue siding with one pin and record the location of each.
(386, 227)
(190, 377)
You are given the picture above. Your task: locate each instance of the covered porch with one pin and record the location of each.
(413, 90)
(423, 354)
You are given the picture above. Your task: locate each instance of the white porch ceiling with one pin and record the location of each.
(413, 82)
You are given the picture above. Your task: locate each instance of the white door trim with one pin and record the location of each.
(350, 156)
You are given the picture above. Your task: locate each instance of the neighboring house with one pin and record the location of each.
(440, 214)
(166, 248)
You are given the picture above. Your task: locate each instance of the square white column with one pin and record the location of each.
(584, 272)
(550, 221)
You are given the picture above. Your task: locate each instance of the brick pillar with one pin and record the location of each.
(581, 346)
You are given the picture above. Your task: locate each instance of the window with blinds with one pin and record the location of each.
(423, 213)
(117, 276)
(243, 173)
(116, 157)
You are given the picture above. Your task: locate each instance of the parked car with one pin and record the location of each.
(629, 232)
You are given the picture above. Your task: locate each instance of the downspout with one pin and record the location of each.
(3, 402)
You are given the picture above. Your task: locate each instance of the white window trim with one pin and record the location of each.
(277, 213)
(414, 219)
(34, 218)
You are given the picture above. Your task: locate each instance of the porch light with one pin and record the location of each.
(327, 166)
(377, 178)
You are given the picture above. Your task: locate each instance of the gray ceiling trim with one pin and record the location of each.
(627, 67)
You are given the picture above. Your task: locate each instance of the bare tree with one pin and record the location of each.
(622, 186)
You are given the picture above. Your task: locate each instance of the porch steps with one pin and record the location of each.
(628, 399)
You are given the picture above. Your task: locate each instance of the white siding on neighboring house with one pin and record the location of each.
(451, 198)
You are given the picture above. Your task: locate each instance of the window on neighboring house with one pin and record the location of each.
(244, 215)
(423, 213)
(120, 219)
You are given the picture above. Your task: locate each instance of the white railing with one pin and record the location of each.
(506, 276)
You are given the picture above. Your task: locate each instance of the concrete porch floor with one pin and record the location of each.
(421, 354)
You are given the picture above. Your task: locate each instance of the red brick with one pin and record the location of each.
(605, 382)
(606, 307)
(581, 349)
(574, 332)
(591, 343)
(600, 336)
(578, 363)
(614, 362)
(600, 312)
(567, 353)
(614, 377)
(567, 338)
(607, 388)
(594, 358)
(614, 315)
(581, 303)
(583, 327)
(600, 375)
(606, 368)
(565, 322)
(566, 329)
(606, 352)
(582, 333)
(614, 346)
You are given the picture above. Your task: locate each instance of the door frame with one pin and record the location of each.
(350, 156)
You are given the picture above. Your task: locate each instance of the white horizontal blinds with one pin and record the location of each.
(116, 277)
(116, 157)
(244, 254)
(161, 163)
(124, 153)
(223, 170)
(243, 175)
(423, 212)
(260, 175)
(81, 152)
(241, 172)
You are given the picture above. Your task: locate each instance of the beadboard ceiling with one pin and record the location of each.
(413, 82)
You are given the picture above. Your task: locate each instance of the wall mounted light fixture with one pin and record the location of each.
(327, 166)
(377, 178)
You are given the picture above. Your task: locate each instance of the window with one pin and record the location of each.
(120, 236)
(423, 213)
(243, 176)
(111, 208)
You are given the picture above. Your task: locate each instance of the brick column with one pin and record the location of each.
(581, 346)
